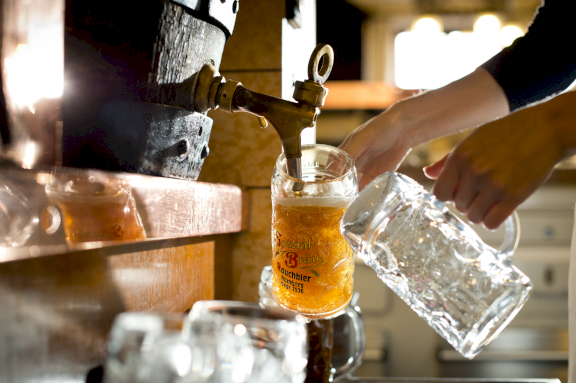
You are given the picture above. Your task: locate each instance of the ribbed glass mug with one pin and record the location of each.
(312, 263)
(464, 289)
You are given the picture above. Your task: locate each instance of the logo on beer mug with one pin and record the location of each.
(313, 262)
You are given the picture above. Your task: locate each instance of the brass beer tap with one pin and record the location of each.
(212, 91)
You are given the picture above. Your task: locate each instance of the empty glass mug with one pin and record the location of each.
(219, 342)
(466, 290)
(312, 263)
(165, 348)
(278, 339)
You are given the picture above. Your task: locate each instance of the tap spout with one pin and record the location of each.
(288, 118)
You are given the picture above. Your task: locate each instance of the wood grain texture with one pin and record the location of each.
(57, 311)
(130, 52)
(174, 208)
(169, 279)
(182, 44)
(346, 95)
(256, 43)
(168, 208)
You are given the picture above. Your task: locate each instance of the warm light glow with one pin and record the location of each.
(433, 59)
(29, 158)
(487, 24)
(418, 59)
(35, 70)
(181, 357)
(510, 33)
(240, 329)
(427, 24)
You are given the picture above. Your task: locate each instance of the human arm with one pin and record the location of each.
(520, 150)
(502, 163)
(382, 143)
(532, 69)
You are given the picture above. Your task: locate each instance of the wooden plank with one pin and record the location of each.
(57, 311)
(347, 95)
(168, 279)
(166, 208)
(177, 208)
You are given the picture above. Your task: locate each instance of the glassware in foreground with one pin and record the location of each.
(312, 263)
(466, 290)
(342, 331)
(278, 338)
(148, 348)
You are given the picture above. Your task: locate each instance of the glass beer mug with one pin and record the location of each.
(311, 261)
(167, 348)
(219, 342)
(344, 331)
(464, 289)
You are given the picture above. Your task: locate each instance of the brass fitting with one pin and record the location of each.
(310, 92)
(211, 91)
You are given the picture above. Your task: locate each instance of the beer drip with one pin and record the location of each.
(212, 91)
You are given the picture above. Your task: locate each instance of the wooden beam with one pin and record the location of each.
(347, 95)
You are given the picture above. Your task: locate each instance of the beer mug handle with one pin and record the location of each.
(511, 239)
(354, 315)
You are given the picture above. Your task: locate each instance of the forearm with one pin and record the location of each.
(552, 122)
(493, 170)
(466, 103)
(382, 143)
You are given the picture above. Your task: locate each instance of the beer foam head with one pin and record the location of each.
(335, 202)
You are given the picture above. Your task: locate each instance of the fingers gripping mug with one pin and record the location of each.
(464, 289)
(312, 262)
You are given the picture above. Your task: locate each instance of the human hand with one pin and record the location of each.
(377, 146)
(498, 166)
(382, 143)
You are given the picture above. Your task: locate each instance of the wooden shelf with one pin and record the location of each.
(347, 95)
(167, 208)
(59, 299)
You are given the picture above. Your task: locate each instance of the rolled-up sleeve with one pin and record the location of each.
(542, 63)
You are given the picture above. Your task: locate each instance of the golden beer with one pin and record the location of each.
(96, 211)
(312, 263)
(110, 218)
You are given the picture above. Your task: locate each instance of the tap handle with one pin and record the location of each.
(311, 91)
(316, 72)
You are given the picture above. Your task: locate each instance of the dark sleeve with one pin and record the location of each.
(542, 63)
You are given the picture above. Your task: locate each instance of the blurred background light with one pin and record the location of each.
(510, 33)
(427, 24)
(428, 58)
(488, 24)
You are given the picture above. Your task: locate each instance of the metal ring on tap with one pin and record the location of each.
(320, 75)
